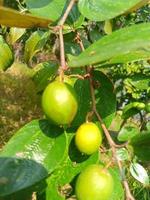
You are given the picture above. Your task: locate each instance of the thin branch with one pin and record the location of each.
(61, 39)
(112, 144)
(64, 17)
(62, 54)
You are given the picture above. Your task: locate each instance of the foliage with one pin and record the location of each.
(111, 76)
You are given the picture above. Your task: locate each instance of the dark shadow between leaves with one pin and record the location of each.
(74, 154)
(18, 174)
(50, 130)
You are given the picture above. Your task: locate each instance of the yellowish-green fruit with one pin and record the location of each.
(59, 103)
(88, 138)
(94, 183)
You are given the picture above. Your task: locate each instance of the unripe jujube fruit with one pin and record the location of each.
(59, 102)
(88, 138)
(94, 183)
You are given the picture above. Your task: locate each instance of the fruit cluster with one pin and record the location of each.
(60, 105)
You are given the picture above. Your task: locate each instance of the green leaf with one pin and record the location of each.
(131, 109)
(105, 9)
(128, 131)
(6, 55)
(139, 173)
(75, 19)
(137, 6)
(118, 192)
(141, 146)
(95, 34)
(12, 18)
(47, 9)
(34, 44)
(124, 42)
(105, 98)
(44, 72)
(34, 152)
(84, 99)
(15, 34)
(74, 163)
(122, 154)
(72, 47)
(139, 81)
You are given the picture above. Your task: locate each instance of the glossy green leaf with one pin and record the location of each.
(34, 152)
(15, 34)
(34, 44)
(139, 173)
(13, 18)
(118, 192)
(112, 48)
(6, 55)
(141, 146)
(105, 9)
(44, 72)
(128, 131)
(74, 163)
(54, 10)
(105, 98)
(45, 8)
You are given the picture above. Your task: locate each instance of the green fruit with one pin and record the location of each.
(94, 183)
(88, 138)
(59, 103)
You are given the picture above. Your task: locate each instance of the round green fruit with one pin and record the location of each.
(59, 103)
(94, 183)
(88, 138)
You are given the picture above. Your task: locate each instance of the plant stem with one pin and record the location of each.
(112, 144)
(62, 55)
(64, 17)
(63, 66)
